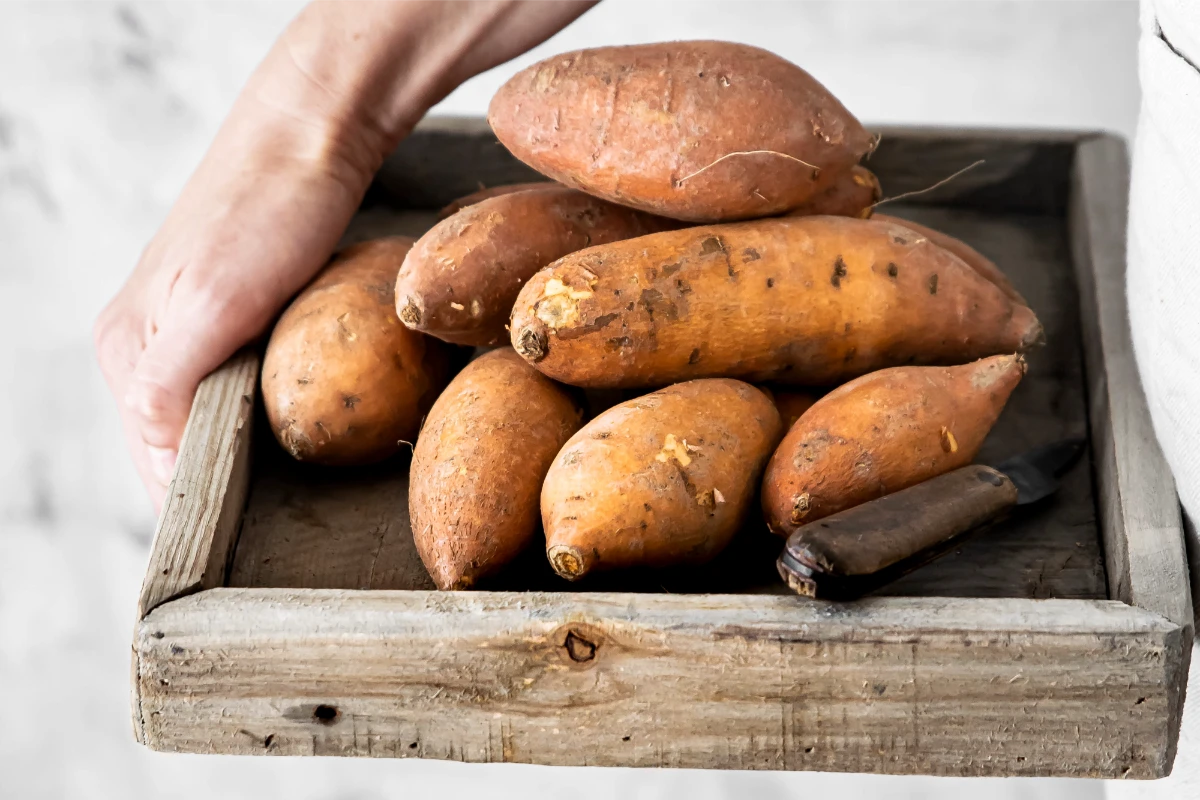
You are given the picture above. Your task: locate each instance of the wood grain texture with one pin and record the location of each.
(1023, 171)
(322, 528)
(1139, 511)
(943, 687)
(198, 525)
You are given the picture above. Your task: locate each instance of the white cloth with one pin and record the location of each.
(1163, 283)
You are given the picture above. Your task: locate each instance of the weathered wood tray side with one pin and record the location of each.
(892, 684)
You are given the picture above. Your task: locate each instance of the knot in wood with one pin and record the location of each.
(578, 648)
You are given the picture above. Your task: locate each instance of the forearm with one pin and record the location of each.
(348, 80)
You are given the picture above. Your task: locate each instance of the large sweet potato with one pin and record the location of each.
(807, 300)
(660, 480)
(343, 381)
(698, 131)
(882, 433)
(970, 256)
(460, 280)
(478, 466)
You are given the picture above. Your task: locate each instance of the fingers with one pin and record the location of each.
(118, 342)
(197, 334)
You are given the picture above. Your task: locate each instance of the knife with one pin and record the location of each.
(848, 554)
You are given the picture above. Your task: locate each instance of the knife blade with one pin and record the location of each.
(855, 551)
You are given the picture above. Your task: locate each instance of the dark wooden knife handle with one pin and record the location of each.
(858, 549)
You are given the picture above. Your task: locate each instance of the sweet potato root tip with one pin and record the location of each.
(410, 313)
(567, 561)
(531, 344)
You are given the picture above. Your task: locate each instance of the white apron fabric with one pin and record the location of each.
(1163, 282)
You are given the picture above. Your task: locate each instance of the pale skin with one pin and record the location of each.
(342, 86)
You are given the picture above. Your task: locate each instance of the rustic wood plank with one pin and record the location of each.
(896, 685)
(329, 529)
(1139, 510)
(197, 528)
(1023, 171)
(1140, 517)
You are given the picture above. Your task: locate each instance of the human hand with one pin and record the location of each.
(269, 201)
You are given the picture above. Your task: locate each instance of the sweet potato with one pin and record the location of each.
(489, 192)
(478, 466)
(343, 381)
(853, 193)
(882, 433)
(697, 131)
(970, 256)
(459, 281)
(660, 480)
(805, 300)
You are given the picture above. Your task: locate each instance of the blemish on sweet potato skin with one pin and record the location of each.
(785, 318)
(881, 433)
(983, 265)
(670, 478)
(343, 381)
(478, 466)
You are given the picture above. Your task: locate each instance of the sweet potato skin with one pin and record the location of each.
(478, 466)
(969, 255)
(660, 480)
(343, 381)
(699, 131)
(488, 193)
(852, 193)
(807, 300)
(460, 280)
(882, 433)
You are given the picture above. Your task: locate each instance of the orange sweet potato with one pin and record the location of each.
(459, 281)
(805, 300)
(970, 256)
(478, 466)
(698, 131)
(489, 192)
(343, 381)
(660, 480)
(882, 433)
(853, 193)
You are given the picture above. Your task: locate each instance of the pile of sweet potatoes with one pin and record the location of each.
(706, 230)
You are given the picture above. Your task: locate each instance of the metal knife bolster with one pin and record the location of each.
(894, 530)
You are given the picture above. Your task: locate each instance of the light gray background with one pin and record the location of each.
(104, 111)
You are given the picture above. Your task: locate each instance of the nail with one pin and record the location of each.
(162, 463)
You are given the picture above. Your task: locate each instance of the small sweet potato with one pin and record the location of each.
(478, 466)
(970, 256)
(490, 192)
(343, 381)
(698, 131)
(660, 480)
(803, 300)
(852, 193)
(459, 281)
(882, 433)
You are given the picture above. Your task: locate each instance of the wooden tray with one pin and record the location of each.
(285, 610)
